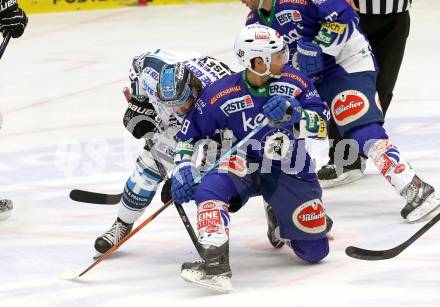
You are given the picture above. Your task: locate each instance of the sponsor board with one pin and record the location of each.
(53, 6)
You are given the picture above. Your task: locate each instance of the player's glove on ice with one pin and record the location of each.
(309, 59)
(282, 111)
(13, 20)
(182, 182)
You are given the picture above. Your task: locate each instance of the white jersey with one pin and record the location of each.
(145, 75)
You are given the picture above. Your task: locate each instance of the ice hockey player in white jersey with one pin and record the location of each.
(150, 115)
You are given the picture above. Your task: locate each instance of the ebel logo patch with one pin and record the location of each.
(349, 106)
(286, 16)
(284, 89)
(277, 145)
(237, 105)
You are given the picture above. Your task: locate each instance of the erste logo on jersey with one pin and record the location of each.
(284, 89)
(310, 217)
(286, 16)
(237, 105)
(349, 106)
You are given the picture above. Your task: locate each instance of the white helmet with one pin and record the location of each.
(255, 41)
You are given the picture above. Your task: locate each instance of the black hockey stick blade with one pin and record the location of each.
(95, 198)
(366, 254)
(7, 37)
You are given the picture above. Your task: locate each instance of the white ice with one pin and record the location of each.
(62, 105)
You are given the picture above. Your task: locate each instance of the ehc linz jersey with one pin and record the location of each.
(232, 103)
(146, 68)
(333, 24)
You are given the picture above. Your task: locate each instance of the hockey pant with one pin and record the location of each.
(296, 203)
(357, 113)
(141, 187)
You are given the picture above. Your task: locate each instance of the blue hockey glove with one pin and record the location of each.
(310, 59)
(282, 110)
(182, 182)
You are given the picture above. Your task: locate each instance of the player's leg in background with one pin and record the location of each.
(5, 204)
(139, 191)
(387, 35)
(357, 113)
(300, 213)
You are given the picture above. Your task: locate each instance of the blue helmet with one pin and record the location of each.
(173, 88)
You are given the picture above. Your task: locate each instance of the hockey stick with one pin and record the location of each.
(4, 44)
(178, 206)
(94, 197)
(366, 254)
(71, 275)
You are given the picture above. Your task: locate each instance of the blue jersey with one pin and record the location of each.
(333, 24)
(233, 103)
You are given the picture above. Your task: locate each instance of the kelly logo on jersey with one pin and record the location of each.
(252, 123)
(237, 105)
(284, 89)
(286, 16)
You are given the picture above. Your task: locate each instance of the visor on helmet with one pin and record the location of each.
(173, 86)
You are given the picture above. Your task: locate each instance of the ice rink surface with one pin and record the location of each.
(60, 94)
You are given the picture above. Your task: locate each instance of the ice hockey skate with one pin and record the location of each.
(273, 229)
(5, 208)
(328, 176)
(106, 241)
(421, 200)
(214, 274)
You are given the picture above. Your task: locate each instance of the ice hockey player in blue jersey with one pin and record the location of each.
(275, 163)
(151, 116)
(328, 45)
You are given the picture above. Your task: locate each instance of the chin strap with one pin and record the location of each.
(260, 4)
(266, 73)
